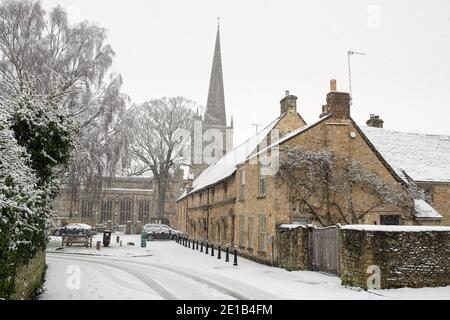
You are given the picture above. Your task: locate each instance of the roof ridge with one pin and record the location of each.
(409, 132)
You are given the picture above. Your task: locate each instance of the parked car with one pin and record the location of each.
(160, 231)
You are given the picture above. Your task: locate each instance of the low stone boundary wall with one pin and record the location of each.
(29, 278)
(405, 256)
(293, 247)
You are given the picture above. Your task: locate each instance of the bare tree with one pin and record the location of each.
(159, 129)
(41, 54)
(323, 185)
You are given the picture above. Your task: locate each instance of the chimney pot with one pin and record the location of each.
(375, 121)
(287, 93)
(333, 85)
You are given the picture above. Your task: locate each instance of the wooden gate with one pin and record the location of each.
(324, 244)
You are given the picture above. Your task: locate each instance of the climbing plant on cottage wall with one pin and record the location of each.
(330, 189)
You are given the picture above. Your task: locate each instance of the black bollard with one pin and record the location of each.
(201, 246)
(185, 242)
(206, 250)
(235, 258)
(219, 252)
(189, 243)
(193, 244)
(227, 254)
(196, 246)
(212, 249)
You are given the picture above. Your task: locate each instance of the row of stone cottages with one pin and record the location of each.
(231, 202)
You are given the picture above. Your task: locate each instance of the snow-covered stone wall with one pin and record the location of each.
(397, 256)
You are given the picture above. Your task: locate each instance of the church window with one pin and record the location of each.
(125, 210)
(87, 209)
(106, 212)
(144, 209)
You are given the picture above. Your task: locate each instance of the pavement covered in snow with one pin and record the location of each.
(167, 270)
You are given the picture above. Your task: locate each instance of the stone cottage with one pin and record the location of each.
(232, 202)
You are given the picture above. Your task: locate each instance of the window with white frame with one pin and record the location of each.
(241, 230)
(262, 232)
(242, 184)
(250, 232)
(262, 181)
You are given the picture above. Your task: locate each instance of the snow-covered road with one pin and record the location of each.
(166, 270)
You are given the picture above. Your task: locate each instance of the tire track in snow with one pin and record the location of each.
(155, 286)
(202, 280)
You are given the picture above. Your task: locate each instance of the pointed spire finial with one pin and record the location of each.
(218, 22)
(215, 106)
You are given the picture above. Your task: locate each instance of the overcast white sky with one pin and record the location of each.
(165, 48)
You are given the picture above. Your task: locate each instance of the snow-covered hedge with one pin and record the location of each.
(24, 208)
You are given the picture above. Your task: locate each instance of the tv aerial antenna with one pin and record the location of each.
(350, 53)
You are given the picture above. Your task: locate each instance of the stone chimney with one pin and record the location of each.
(375, 121)
(338, 103)
(189, 181)
(288, 103)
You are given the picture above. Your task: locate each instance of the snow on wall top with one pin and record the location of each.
(424, 157)
(370, 227)
(291, 226)
(424, 210)
(225, 166)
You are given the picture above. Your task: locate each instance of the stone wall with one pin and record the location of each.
(407, 256)
(292, 247)
(29, 278)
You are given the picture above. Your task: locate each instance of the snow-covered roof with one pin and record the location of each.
(423, 157)
(78, 226)
(424, 210)
(226, 166)
(128, 189)
(183, 194)
(370, 227)
(289, 136)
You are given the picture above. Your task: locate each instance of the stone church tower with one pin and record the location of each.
(213, 118)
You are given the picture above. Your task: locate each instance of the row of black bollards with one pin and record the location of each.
(187, 242)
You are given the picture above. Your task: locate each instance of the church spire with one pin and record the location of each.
(215, 106)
